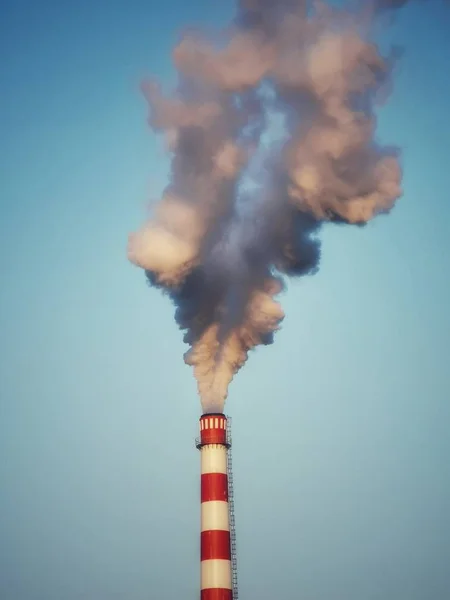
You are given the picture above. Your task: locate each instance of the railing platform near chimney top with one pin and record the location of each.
(199, 444)
(234, 582)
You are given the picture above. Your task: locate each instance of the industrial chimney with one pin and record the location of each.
(217, 540)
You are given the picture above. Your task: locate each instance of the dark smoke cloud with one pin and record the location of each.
(222, 248)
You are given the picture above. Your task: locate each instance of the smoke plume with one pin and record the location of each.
(271, 131)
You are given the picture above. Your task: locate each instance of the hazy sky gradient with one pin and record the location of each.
(341, 437)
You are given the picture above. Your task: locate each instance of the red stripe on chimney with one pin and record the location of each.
(214, 486)
(215, 544)
(213, 436)
(216, 594)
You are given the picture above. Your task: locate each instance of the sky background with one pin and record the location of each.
(341, 440)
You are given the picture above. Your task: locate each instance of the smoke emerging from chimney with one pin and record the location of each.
(271, 133)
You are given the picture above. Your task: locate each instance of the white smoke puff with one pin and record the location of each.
(364, 208)
(307, 179)
(155, 249)
(342, 63)
(202, 356)
(242, 64)
(216, 363)
(265, 313)
(233, 355)
(389, 175)
(307, 190)
(229, 159)
(170, 242)
(337, 142)
(180, 217)
(172, 113)
(308, 194)
(171, 139)
(245, 62)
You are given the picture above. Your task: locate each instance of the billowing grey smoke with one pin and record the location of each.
(271, 131)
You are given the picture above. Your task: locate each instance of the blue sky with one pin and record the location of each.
(340, 429)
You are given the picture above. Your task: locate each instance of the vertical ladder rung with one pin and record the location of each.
(231, 514)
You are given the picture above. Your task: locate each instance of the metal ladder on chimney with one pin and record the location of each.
(234, 581)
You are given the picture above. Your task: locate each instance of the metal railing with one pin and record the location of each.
(199, 444)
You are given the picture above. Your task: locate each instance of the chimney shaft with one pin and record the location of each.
(215, 549)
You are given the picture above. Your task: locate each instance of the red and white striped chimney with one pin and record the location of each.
(215, 549)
